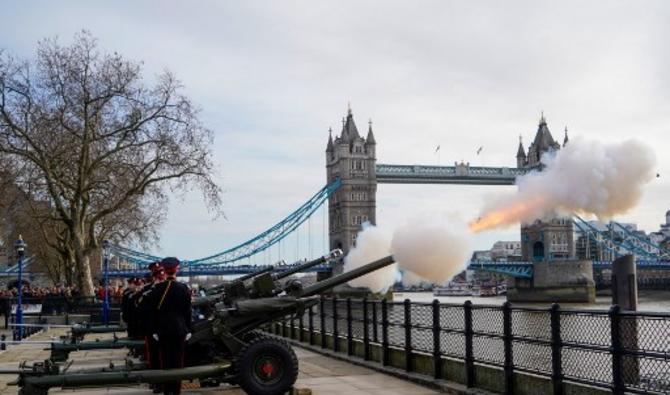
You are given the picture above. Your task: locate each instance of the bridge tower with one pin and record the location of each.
(553, 238)
(352, 159)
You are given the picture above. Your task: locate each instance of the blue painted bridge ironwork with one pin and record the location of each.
(12, 271)
(253, 246)
(228, 270)
(512, 269)
(460, 173)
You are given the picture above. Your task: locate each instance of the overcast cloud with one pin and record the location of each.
(271, 77)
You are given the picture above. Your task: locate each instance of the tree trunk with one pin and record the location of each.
(68, 265)
(84, 280)
(83, 269)
(69, 273)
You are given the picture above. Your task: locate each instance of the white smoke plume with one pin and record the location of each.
(429, 249)
(409, 278)
(434, 249)
(585, 177)
(372, 243)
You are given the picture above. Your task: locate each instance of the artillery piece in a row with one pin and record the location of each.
(79, 330)
(262, 283)
(223, 347)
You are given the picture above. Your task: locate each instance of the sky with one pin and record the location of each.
(272, 77)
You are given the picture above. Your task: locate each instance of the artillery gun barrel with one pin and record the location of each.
(206, 300)
(220, 287)
(332, 282)
(61, 351)
(78, 331)
(42, 325)
(97, 345)
(256, 273)
(12, 371)
(307, 265)
(98, 328)
(41, 384)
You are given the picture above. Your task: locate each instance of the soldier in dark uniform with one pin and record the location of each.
(171, 320)
(128, 310)
(151, 352)
(137, 317)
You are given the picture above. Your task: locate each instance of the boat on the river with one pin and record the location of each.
(458, 289)
(493, 290)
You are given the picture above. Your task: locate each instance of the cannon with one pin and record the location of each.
(49, 367)
(263, 284)
(78, 331)
(224, 348)
(239, 281)
(60, 351)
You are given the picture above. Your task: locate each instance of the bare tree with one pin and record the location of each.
(80, 130)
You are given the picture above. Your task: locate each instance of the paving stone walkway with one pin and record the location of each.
(321, 374)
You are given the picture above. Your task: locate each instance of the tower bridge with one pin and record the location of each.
(352, 159)
(353, 174)
(548, 246)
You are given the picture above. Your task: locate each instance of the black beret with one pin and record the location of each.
(170, 263)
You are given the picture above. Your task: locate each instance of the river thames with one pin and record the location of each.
(657, 301)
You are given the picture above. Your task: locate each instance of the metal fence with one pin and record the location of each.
(612, 349)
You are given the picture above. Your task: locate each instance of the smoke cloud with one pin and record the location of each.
(430, 249)
(434, 249)
(585, 177)
(372, 243)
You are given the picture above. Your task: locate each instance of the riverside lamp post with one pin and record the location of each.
(20, 247)
(105, 303)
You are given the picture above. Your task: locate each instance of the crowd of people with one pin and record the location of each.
(57, 291)
(37, 293)
(115, 293)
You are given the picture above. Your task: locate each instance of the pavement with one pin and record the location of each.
(318, 373)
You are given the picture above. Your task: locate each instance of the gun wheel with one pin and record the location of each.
(266, 366)
(254, 335)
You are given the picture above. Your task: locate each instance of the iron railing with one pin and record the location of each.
(612, 349)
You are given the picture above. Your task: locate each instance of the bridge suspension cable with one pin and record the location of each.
(593, 233)
(614, 246)
(662, 251)
(12, 271)
(260, 243)
(132, 255)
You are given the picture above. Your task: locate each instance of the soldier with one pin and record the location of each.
(151, 352)
(171, 320)
(128, 310)
(137, 317)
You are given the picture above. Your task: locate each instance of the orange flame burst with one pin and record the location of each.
(512, 213)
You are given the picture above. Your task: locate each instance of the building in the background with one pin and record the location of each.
(662, 237)
(506, 251)
(482, 255)
(501, 251)
(351, 158)
(549, 239)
